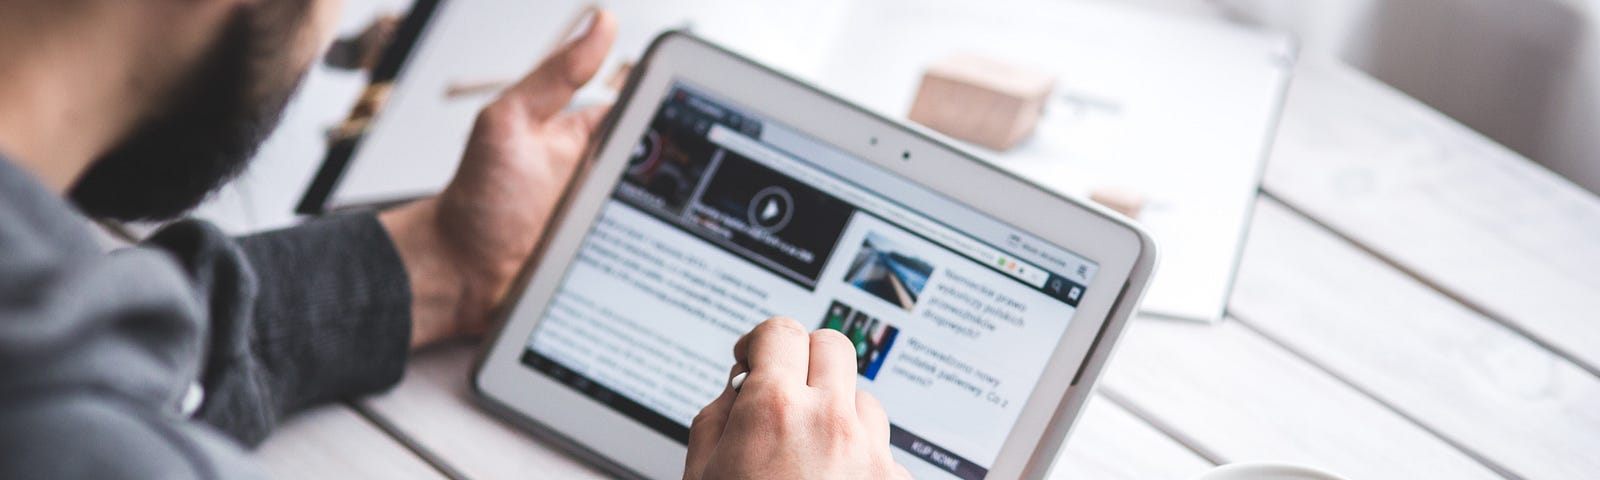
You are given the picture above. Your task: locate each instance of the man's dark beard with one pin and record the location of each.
(204, 138)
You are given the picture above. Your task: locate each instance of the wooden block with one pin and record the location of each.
(981, 100)
(1124, 201)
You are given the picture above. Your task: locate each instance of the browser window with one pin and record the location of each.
(723, 219)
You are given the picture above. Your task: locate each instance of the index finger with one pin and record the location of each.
(776, 351)
(705, 431)
(547, 90)
(833, 362)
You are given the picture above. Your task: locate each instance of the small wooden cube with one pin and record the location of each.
(981, 100)
(1124, 201)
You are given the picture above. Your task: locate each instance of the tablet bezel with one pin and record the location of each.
(1124, 253)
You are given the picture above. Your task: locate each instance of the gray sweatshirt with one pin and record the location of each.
(164, 361)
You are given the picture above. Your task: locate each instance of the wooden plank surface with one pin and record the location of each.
(336, 442)
(1495, 231)
(1472, 380)
(432, 408)
(1239, 397)
(1110, 443)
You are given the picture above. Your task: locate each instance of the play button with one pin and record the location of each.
(771, 208)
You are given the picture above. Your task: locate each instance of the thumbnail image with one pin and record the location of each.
(671, 159)
(872, 337)
(884, 269)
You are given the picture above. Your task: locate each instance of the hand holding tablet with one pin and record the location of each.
(797, 414)
(522, 152)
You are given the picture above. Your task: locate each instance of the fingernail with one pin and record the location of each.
(581, 25)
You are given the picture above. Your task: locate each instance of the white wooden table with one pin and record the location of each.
(1414, 302)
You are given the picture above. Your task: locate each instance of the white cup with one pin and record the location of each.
(1266, 471)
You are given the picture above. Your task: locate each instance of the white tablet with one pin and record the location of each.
(721, 193)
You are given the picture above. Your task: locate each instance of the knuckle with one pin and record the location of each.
(775, 405)
(495, 117)
(829, 339)
(573, 69)
(767, 393)
(705, 416)
(834, 428)
(838, 425)
(781, 326)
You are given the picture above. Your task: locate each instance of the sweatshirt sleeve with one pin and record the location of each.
(98, 352)
(300, 316)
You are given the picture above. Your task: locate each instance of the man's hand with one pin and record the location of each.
(462, 248)
(798, 414)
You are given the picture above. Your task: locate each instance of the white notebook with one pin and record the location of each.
(1180, 109)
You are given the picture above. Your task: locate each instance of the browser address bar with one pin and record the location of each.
(754, 149)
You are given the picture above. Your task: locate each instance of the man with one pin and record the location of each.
(161, 361)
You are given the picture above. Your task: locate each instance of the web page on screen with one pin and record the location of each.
(723, 219)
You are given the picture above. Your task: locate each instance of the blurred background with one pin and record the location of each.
(1525, 73)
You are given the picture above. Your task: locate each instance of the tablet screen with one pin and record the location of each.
(723, 218)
